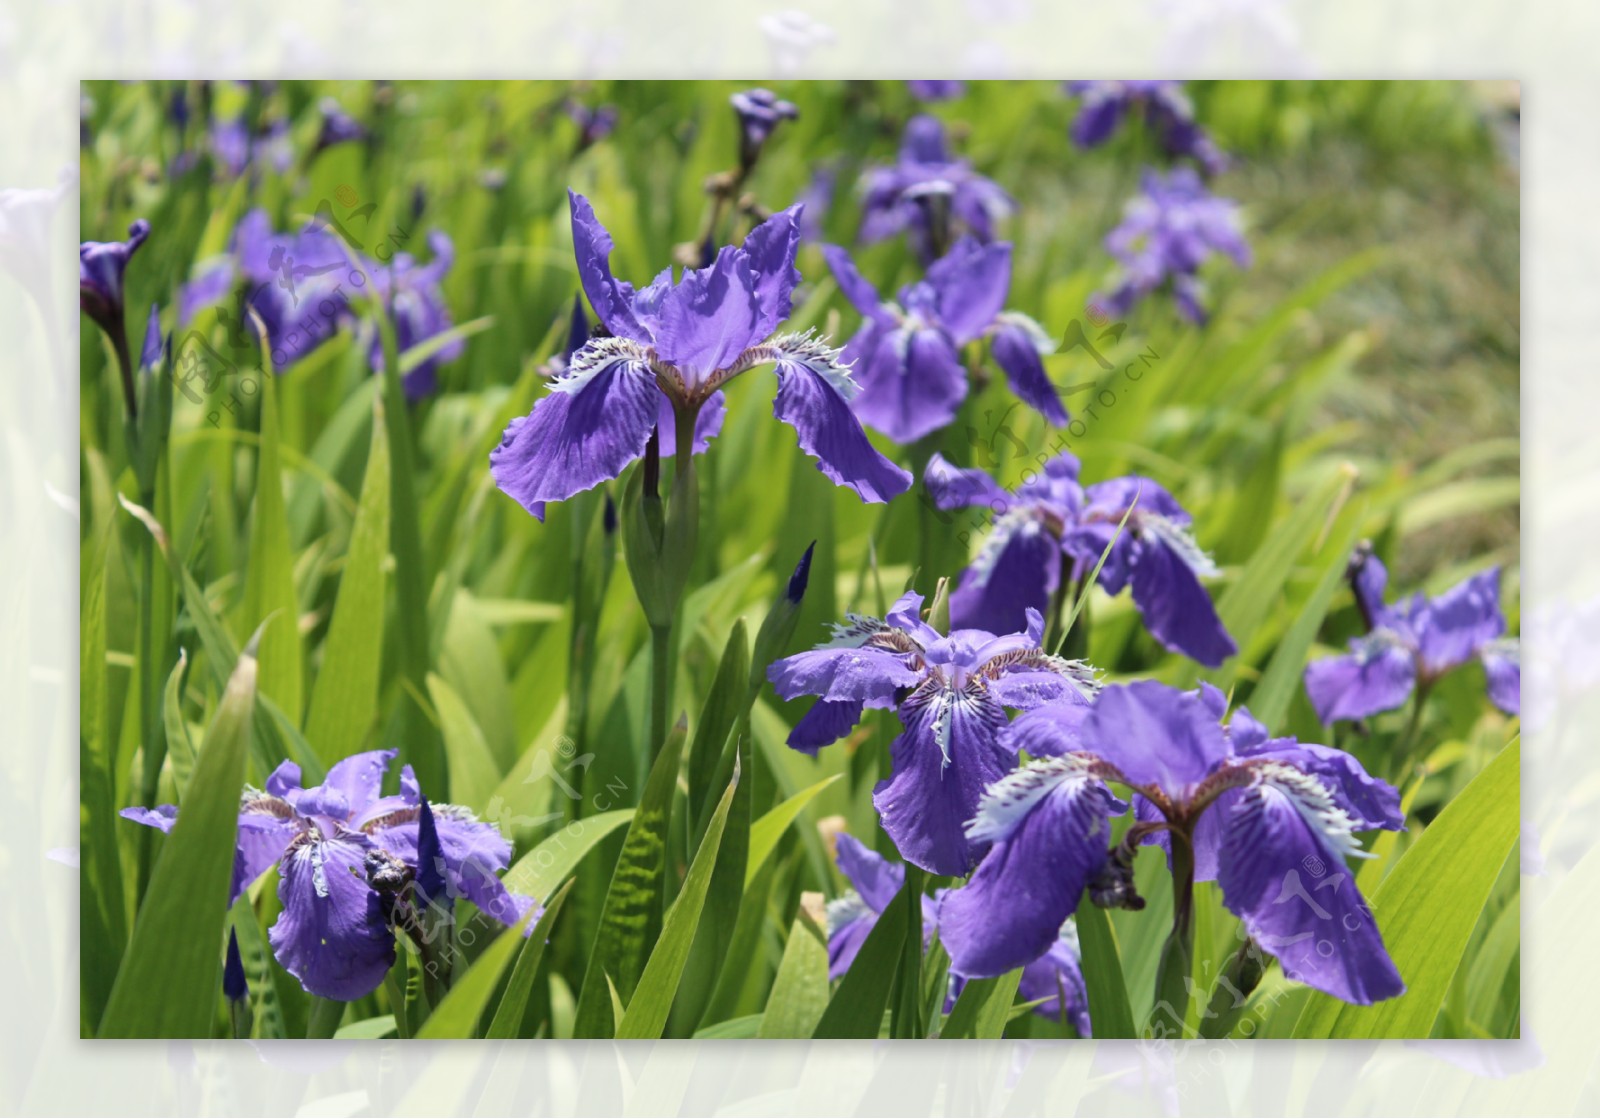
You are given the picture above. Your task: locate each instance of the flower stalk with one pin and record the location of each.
(1177, 954)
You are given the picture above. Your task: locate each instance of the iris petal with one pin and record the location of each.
(970, 284)
(1018, 570)
(956, 487)
(1175, 606)
(947, 755)
(1288, 883)
(1503, 668)
(810, 400)
(1155, 736)
(913, 384)
(1017, 353)
(1049, 825)
(828, 721)
(873, 877)
(586, 432)
(611, 300)
(331, 935)
(1378, 676)
(770, 249)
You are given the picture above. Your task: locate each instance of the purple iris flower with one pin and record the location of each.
(230, 144)
(212, 283)
(300, 284)
(875, 881)
(1052, 515)
(1167, 111)
(760, 111)
(594, 124)
(927, 192)
(672, 347)
(1271, 820)
(950, 693)
(420, 312)
(102, 265)
(272, 146)
(338, 127)
(1167, 232)
(1413, 642)
(940, 90)
(237, 151)
(907, 354)
(333, 934)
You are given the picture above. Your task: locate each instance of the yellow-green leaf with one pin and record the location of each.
(344, 698)
(167, 985)
(765, 832)
(658, 986)
(269, 596)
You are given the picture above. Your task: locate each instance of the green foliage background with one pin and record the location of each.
(1359, 381)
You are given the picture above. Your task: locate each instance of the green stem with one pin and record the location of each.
(1401, 756)
(130, 395)
(152, 735)
(907, 1021)
(929, 527)
(323, 1021)
(1173, 975)
(660, 686)
(683, 511)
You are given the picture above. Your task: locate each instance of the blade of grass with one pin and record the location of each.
(167, 985)
(859, 1002)
(765, 832)
(983, 1008)
(458, 1012)
(514, 1003)
(344, 697)
(800, 990)
(269, 595)
(1110, 1016)
(658, 985)
(618, 951)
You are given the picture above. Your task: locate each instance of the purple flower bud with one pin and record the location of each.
(234, 984)
(801, 576)
(760, 111)
(178, 108)
(150, 356)
(101, 267)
